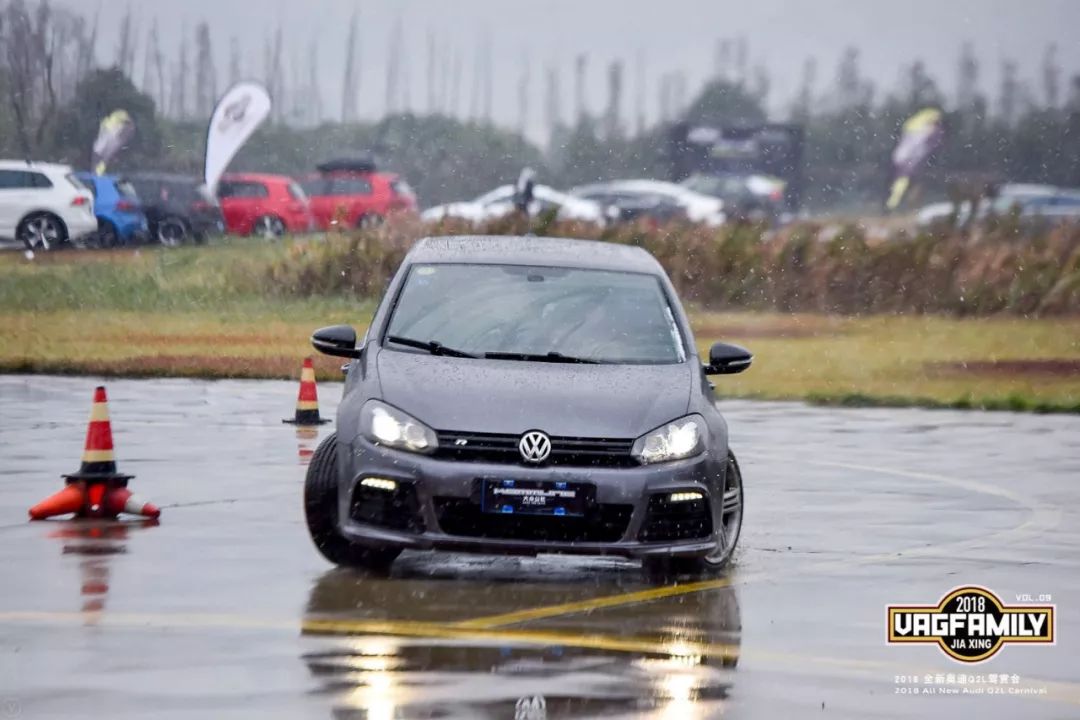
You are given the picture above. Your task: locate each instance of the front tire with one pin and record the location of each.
(321, 512)
(42, 230)
(107, 235)
(367, 221)
(172, 231)
(268, 227)
(727, 534)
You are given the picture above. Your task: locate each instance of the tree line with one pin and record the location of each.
(56, 86)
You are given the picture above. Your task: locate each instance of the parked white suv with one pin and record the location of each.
(43, 205)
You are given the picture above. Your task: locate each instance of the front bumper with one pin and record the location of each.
(439, 486)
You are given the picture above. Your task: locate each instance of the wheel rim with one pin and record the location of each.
(269, 227)
(370, 221)
(730, 516)
(171, 233)
(41, 232)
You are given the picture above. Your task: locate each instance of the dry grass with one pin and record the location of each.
(230, 311)
(878, 360)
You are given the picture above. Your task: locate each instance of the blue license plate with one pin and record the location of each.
(536, 497)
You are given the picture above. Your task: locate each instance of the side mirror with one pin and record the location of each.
(727, 359)
(337, 340)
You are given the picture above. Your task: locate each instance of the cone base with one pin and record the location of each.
(115, 479)
(298, 421)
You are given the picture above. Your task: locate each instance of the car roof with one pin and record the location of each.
(163, 177)
(640, 186)
(40, 166)
(518, 250)
(256, 177)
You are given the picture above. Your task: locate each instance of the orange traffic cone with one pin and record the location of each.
(121, 500)
(96, 489)
(307, 402)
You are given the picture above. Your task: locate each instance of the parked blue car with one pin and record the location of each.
(121, 220)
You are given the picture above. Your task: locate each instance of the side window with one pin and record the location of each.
(296, 192)
(86, 185)
(349, 186)
(23, 179)
(315, 187)
(242, 190)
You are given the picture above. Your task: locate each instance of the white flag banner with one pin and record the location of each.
(238, 114)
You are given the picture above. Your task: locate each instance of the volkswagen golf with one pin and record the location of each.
(527, 395)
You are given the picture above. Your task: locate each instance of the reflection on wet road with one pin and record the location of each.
(224, 610)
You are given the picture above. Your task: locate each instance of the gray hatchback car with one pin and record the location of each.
(527, 395)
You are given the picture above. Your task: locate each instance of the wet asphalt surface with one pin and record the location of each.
(225, 610)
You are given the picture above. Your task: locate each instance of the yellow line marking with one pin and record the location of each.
(649, 646)
(1063, 691)
(540, 613)
(1042, 518)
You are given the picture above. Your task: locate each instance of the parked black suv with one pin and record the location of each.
(178, 208)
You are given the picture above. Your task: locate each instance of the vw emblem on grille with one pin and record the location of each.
(535, 446)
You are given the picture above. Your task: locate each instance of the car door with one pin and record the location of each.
(23, 191)
(351, 198)
(242, 202)
(317, 189)
(10, 202)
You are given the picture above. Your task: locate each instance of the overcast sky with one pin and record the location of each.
(668, 34)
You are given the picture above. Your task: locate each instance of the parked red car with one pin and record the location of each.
(352, 193)
(265, 205)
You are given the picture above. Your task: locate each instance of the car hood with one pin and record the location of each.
(506, 396)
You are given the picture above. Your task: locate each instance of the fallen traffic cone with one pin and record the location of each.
(96, 489)
(120, 500)
(307, 402)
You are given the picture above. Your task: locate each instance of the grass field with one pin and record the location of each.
(201, 312)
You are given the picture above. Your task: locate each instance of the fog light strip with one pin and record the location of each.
(379, 484)
(684, 496)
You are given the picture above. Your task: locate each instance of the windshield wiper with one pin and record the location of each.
(552, 357)
(432, 346)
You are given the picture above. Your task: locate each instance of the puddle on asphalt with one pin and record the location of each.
(673, 658)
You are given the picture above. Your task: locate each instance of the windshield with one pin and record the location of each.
(595, 315)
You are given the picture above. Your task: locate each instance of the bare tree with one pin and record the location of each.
(27, 44)
(1009, 93)
(1051, 76)
(158, 57)
(552, 96)
(431, 80)
(523, 94)
(613, 113)
(804, 99)
(639, 92)
(234, 60)
(181, 86)
(393, 69)
(123, 47)
(314, 99)
(205, 72)
(455, 84)
(348, 89)
(580, 63)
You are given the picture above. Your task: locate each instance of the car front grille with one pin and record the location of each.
(666, 521)
(463, 517)
(502, 448)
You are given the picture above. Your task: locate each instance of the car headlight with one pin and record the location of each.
(678, 439)
(386, 425)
